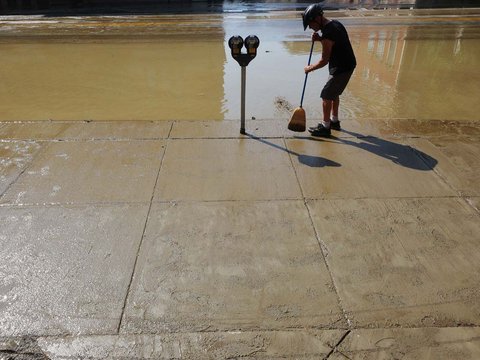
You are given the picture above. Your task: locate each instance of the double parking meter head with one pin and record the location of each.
(251, 43)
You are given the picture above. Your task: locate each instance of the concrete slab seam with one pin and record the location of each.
(141, 241)
(290, 153)
(104, 139)
(334, 140)
(419, 155)
(451, 324)
(318, 239)
(170, 130)
(385, 197)
(69, 203)
(323, 248)
(247, 331)
(469, 201)
(27, 166)
(174, 201)
(32, 346)
(339, 342)
(374, 353)
(186, 201)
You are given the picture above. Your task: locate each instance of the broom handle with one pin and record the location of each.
(306, 75)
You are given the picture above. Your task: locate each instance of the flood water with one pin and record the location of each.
(411, 64)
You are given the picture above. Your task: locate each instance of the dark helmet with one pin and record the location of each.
(310, 13)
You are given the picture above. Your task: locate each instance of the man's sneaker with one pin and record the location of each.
(335, 125)
(311, 128)
(321, 131)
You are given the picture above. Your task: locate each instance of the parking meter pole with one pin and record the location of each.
(242, 118)
(236, 43)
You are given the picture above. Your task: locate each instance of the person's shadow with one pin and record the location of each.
(403, 155)
(309, 160)
(400, 154)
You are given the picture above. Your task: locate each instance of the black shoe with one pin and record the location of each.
(335, 125)
(321, 131)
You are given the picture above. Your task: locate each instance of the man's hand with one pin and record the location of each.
(309, 68)
(316, 37)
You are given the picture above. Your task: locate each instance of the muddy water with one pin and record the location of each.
(112, 81)
(411, 64)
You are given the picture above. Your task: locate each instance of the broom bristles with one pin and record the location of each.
(298, 121)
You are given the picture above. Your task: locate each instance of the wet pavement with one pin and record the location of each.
(177, 239)
(185, 239)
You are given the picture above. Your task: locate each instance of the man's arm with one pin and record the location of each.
(327, 45)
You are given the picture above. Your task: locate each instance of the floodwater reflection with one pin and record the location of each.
(421, 72)
(180, 68)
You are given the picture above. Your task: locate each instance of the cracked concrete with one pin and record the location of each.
(261, 246)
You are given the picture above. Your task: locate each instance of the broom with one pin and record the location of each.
(298, 120)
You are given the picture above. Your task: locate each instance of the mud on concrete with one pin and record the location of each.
(21, 348)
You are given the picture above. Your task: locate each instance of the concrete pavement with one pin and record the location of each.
(178, 239)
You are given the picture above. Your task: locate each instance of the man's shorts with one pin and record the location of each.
(335, 85)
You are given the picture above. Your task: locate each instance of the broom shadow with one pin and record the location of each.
(309, 160)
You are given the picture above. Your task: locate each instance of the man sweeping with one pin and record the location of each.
(337, 52)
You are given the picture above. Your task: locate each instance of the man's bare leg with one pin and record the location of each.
(327, 108)
(323, 128)
(335, 106)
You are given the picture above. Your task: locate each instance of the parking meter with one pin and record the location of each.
(236, 43)
(252, 43)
